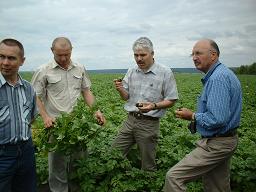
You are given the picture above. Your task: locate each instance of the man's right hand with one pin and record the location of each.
(118, 84)
(48, 121)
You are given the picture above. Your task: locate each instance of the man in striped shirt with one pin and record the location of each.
(17, 111)
(216, 120)
(153, 88)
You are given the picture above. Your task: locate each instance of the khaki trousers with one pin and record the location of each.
(145, 133)
(210, 160)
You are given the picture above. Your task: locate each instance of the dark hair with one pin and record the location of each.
(14, 42)
(215, 46)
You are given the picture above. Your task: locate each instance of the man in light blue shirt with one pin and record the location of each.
(216, 120)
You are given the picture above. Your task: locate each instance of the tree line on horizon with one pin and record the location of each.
(246, 69)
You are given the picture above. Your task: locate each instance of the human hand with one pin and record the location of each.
(184, 113)
(100, 118)
(118, 83)
(48, 121)
(145, 107)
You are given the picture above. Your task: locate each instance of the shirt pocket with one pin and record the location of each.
(55, 85)
(4, 114)
(153, 92)
(77, 81)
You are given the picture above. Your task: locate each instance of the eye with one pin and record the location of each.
(12, 58)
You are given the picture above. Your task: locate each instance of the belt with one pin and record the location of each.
(141, 116)
(17, 144)
(230, 133)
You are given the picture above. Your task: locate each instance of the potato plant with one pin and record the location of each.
(105, 169)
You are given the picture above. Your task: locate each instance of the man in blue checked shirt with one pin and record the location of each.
(17, 111)
(148, 89)
(216, 120)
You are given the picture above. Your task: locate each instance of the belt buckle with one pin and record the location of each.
(138, 115)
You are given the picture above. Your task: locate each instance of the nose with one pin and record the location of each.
(194, 57)
(5, 60)
(140, 58)
(63, 58)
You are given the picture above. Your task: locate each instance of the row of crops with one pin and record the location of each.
(104, 169)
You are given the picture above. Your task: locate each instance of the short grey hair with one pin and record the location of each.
(65, 41)
(142, 43)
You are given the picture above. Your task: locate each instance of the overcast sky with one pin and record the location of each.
(103, 31)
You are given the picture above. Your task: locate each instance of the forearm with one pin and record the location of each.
(88, 97)
(41, 108)
(124, 94)
(164, 104)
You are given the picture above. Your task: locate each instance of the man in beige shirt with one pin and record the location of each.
(58, 85)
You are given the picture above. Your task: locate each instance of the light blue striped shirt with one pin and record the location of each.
(17, 110)
(155, 85)
(220, 104)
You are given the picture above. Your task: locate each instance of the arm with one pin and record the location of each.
(90, 100)
(147, 106)
(88, 97)
(122, 92)
(48, 121)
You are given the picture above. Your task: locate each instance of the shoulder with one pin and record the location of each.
(44, 67)
(28, 86)
(163, 70)
(223, 72)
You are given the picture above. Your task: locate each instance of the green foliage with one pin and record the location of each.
(105, 169)
(247, 69)
(70, 132)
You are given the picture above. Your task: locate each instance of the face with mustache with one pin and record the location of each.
(144, 58)
(203, 55)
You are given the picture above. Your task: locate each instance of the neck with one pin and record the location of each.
(12, 79)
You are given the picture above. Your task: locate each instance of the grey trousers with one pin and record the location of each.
(144, 133)
(60, 166)
(210, 160)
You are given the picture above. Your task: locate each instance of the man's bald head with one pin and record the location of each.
(62, 43)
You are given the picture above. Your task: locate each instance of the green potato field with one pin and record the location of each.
(103, 169)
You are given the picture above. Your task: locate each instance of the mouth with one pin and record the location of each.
(5, 70)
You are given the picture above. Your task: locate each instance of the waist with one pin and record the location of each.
(229, 133)
(17, 144)
(138, 115)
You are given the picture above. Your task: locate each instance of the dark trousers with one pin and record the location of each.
(17, 167)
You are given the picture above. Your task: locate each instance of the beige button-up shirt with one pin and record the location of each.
(58, 88)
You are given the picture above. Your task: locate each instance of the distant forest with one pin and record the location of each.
(246, 69)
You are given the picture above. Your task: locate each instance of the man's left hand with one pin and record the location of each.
(100, 118)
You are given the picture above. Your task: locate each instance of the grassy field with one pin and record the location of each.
(104, 171)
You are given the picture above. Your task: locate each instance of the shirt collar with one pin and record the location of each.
(210, 71)
(152, 69)
(3, 81)
(55, 64)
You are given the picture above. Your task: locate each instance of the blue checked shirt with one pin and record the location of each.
(155, 85)
(17, 110)
(220, 104)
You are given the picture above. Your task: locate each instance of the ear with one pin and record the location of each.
(213, 55)
(22, 61)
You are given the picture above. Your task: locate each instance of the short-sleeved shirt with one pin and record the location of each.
(155, 85)
(17, 110)
(58, 88)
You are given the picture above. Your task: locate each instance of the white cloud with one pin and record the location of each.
(102, 31)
